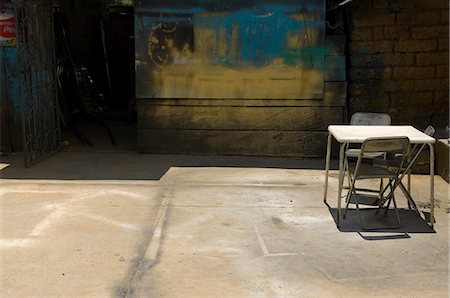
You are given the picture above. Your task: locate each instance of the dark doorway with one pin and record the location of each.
(120, 46)
(95, 56)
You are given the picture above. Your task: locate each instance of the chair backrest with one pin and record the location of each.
(388, 145)
(429, 131)
(362, 118)
(414, 153)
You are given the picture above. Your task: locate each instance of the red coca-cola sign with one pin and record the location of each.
(7, 25)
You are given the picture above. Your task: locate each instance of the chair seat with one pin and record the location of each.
(368, 171)
(390, 163)
(356, 152)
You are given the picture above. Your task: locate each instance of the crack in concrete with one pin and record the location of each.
(147, 254)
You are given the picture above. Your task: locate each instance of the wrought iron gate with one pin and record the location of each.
(37, 79)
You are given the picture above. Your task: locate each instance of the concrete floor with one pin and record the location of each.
(129, 225)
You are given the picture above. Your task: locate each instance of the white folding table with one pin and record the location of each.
(346, 134)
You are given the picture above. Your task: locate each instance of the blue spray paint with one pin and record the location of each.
(9, 81)
(262, 33)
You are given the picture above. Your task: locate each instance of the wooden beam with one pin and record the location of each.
(238, 118)
(335, 95)
(256, 143)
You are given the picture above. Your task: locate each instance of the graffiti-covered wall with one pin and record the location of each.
(249, 77)
(230, 49)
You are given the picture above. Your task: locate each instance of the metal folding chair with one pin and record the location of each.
(363, 118)
(394, 161)
(360, 171)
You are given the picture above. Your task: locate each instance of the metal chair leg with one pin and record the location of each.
(396, 210)
(358, 211)
(393, 200)
(346, 206)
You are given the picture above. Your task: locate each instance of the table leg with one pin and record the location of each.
(409, 172)
(431, 184)
(327, 167)
(408, 196)
(341, 180)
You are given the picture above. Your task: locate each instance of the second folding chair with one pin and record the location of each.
(365, 118)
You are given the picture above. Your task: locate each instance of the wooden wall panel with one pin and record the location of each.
(257, 143)
(238, 118)
(335, 95)
(230, 49)
(259, 127)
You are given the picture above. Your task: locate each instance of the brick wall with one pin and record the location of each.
(399, 60)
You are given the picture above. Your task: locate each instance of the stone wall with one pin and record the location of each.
(399, 60)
